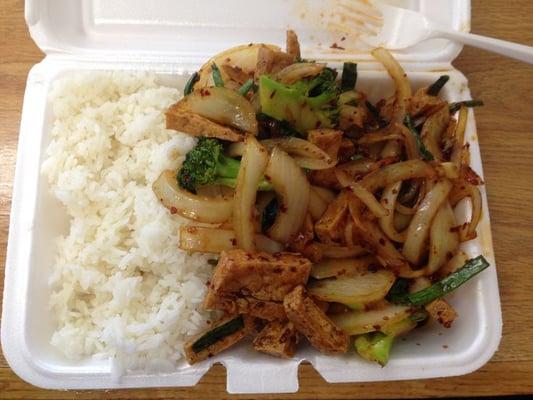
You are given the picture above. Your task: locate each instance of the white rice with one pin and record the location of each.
(122, 289)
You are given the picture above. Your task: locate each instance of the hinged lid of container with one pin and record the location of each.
(195, 30)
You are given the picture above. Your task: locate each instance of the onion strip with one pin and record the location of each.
(306, 154)
(418, 231)
(459, 137)
(188, 205)
(292, 186)
(397, 172)
(215, 240)
(388, 202)
(253, 165)
(366, 197)
(403, 87)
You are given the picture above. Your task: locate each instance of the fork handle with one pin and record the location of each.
(509, 49)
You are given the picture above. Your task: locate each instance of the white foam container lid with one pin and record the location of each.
(171, 38)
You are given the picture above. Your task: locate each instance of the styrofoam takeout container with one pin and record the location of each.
(172, 38)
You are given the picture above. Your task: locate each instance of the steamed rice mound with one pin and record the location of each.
(122, 289)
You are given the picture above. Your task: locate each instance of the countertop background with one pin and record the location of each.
(505, 129)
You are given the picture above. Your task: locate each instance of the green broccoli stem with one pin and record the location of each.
(228, 167)
(375, 347)
(228, 170)
(263, 186)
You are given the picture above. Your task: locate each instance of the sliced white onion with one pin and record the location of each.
(443, 240)
(188, 205)
(306, 154)
(358, 323)
(333, 251)
(356, 288)
(317, 205)
(460, 129)
(393, 173)
(292, 187)
(362, 193)
(403, 87)
(215, 240)
(418, 231)
(330, 268)
(298, 71)
(224, 106)
(253, 163)
(243, 57)
(388, 202)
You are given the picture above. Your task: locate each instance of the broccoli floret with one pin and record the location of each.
(306, 104)
(206, 164)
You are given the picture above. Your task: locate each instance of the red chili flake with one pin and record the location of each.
(273, 94)
(283, 208)
(234, 241)
(204, 92)
(173, 210)
(382, 241)
(343, 38)
(336, 46)
(445, 346)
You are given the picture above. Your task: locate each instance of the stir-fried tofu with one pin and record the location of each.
(278, 338)
(271, 61)
(186, 121)
(231, 304)
(292, 45)
(262, 276)
(311, 321)
(440, 310)
(325, 178)
(220, 336)
(330, 228)
(328, 140)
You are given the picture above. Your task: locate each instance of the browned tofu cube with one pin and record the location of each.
(263, 276)
(328, 140)
(218, 337)
(232, 304)
(186, 121)
(278, 338)
(311, 321)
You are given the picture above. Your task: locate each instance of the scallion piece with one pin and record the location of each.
(426, 155)
(450, 283)
(217, 76)
(454, 107)
(189, 86)
(247, 86)
(435, 89)
(349, 76)
(217, 334)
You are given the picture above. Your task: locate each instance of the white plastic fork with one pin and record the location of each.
(402, 28)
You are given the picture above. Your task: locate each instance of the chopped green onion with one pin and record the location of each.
(454, 107)
(217, 76)
(435, 89)
(349, 76)
(426, 155)
(375, 114)
(217, 334)
(450, 283)
(247, 86)
(399, 291)
(189, 86)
